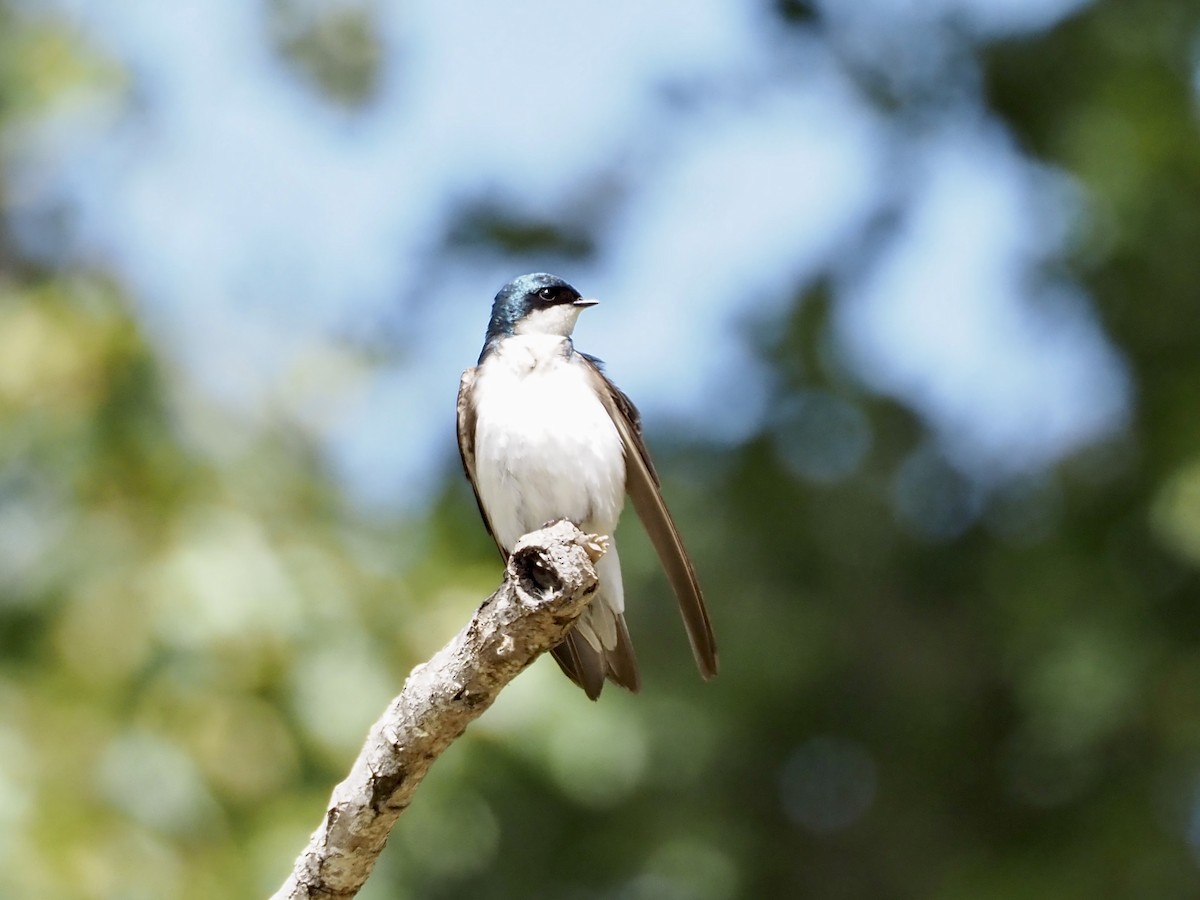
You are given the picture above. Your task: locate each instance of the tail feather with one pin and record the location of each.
(588, 667)
(621, 662)
(599, 646)
(580, 663)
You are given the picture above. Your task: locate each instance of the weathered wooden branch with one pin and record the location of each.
(548, 583)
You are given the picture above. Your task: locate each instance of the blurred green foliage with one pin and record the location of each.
(195, 632)
(333, 46)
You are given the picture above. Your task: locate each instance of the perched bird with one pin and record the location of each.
(545, 435)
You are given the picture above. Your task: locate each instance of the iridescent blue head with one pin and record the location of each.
(538, 303)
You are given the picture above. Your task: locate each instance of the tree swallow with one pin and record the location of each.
(545, 435)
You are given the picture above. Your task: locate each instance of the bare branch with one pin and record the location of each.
(548, 583)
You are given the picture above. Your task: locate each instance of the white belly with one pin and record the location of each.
(545, 447)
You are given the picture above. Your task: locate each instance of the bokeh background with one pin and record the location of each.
(907, 293)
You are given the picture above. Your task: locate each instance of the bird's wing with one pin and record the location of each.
(466, 445)
(641, 481)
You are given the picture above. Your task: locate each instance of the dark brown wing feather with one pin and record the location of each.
(466, 445)
(641, 481)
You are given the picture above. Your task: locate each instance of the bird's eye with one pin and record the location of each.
(546, 293)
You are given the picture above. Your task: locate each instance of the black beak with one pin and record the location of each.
(585, 302)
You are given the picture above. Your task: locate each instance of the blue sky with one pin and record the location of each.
(264, 230)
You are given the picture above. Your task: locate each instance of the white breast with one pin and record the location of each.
(545, 446)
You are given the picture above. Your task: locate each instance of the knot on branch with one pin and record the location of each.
(556, 559)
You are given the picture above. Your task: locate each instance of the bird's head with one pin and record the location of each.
(538, 303)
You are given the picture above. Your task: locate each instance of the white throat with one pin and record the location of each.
(558, 320)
